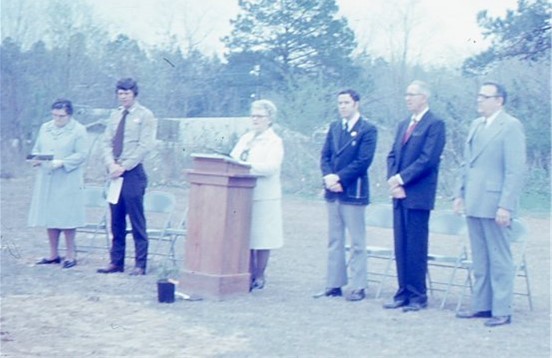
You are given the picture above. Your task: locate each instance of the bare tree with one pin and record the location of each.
(18, 21)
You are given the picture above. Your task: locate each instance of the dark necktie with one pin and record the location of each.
(119, 136)
(344, 134)
(409, 131)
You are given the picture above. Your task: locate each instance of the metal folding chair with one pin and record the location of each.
(170, 236)
(451, 226)
(96, 220)
(518, 246)
(379, 216)
(158, 208)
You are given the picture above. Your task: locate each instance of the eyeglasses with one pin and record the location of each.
(412, 94)
(484, 96)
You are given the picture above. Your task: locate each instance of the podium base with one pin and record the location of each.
(213, 286)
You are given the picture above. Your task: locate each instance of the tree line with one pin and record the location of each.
(297, 53)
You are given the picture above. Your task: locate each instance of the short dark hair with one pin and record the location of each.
(127, 84)
(500, 90)
(62, 103)
(354, 94)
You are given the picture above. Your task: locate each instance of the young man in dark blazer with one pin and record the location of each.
(412, 171)
(347, 153)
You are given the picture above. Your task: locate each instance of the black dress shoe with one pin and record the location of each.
(69, 263)
(356, 295)
(395, 304)
(46, 261)
(479, 314)
(414, 306)
(330, 292)
(498, 321)
(258, 284)
(111, 269)
(137, 271)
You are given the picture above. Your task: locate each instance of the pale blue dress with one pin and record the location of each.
(58, 194)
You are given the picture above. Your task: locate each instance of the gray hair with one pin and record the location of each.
(423, 86)
(268, 106)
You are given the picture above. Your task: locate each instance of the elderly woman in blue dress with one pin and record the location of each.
(58, 197)
(262, 148)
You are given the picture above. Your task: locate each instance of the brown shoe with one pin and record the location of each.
(137, 271)
(111, 269)
(498, 321)
(395, 304)
(414, 306)
(479, 314)
(356, 295)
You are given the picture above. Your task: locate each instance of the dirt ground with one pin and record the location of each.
(51, 312)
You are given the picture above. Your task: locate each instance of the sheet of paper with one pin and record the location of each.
(115, 186)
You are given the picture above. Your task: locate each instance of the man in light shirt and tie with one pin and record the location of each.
(128, 138)
(412, 171)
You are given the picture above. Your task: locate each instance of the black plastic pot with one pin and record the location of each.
(165, 291)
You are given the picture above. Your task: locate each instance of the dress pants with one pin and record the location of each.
(493, 266)
(131, 203)
(350, 218)
(411, 230)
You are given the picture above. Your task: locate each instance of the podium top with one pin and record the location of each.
(218, 163)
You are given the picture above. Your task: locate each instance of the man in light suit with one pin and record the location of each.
(491, 182)
(345, 158)
(412, 171)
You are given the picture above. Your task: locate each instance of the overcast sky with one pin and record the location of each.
(441, 31)
(444, 31)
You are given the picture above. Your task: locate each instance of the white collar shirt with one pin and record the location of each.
(351, 122)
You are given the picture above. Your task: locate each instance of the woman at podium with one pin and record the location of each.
(262, 148)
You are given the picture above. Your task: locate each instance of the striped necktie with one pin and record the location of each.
(409, 130)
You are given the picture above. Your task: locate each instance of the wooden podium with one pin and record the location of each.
(216, 260)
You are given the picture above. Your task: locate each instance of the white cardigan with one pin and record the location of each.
(266, 153)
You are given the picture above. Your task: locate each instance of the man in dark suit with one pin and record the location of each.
(491, 182)
(412, 169)
(345, 158)
(128, 138)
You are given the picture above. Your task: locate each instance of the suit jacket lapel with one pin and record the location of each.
(487, 134)
(420, 127)
(336, 133)
(355, 129)
(476, 126)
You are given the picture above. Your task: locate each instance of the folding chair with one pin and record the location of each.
(452, 227)
(379, 216)
(170, 237)
(518, 245)
(158, 208)
(96, 219)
